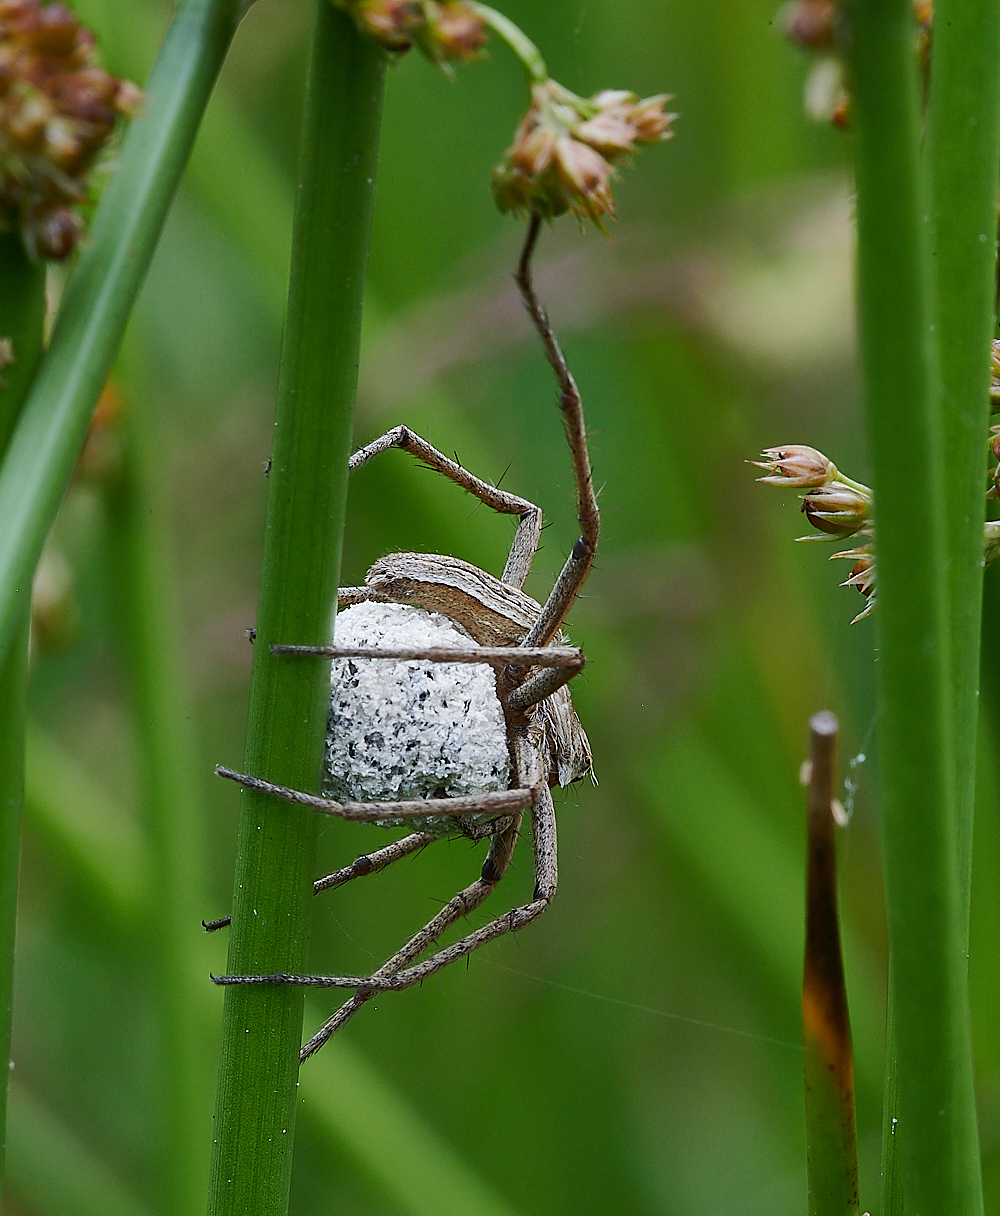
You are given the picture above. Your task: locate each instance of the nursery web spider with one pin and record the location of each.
(521, 639)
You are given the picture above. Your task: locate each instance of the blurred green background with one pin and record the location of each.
(636, 1050)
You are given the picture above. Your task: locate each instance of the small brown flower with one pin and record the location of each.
(813, 24)
(796, 465)
(862, 576)
(453, 32)
(565, 151)
(393, 23)
(57, 112)
(445, 30)
(837, 509)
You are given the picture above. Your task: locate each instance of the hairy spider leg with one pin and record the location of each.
(367, 863)
(578, 564)
(396, 973)
(529, 530)
(500, 802)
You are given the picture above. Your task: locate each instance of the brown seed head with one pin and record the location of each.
(564, 153)
(393, 23)
(453, 32)
(445, 30)
(57, 112)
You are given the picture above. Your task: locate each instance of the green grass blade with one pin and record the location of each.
(937, 1117)
(53, 423)
(22, 322)
(963, 135)
(831, 1135)
(255, 1114)
(80, 822)
(57, 1174)
(347, 1098)
(174, 900)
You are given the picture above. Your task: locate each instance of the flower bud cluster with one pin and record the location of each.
(834, 505)
(57, 111)
(565, 151)
(445, 30)
(840, 507)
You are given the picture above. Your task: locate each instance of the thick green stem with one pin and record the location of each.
(962, 161)
(255, 1113)
(936, 1125)
(53, 423)
(140, 509)
(22, 321)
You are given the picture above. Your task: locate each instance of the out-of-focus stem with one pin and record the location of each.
(22, 321)
(962, 160)
(255, 1112)
(173, 897)
(936, 1132)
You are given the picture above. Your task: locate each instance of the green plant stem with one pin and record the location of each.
(255, 1112)
(892, 1173)
(174, 903)
(962, 160)
(22, 322)
(936, 1126)
(530, 56)
(53, 423)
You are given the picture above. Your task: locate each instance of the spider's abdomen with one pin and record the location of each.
(412, 729)
(492, 612)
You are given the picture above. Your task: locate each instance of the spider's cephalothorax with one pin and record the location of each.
(533, 664)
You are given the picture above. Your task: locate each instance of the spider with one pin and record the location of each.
(523, 642)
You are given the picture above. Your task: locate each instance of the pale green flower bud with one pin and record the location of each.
(838, 510)
(796, 465)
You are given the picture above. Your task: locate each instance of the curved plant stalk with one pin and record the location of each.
(53, 423)
(22, 322)
(831, 1135)
(255, 1113)
(936, 1130)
